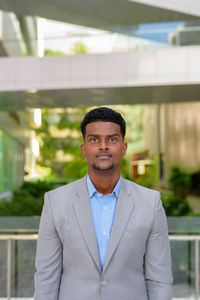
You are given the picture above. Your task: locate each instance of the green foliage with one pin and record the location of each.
(146, 181)
(48, 151)
(175, 206)
(53, 52)
(180, 182)
(69, 144)
(124, 169)
(36, 188)
(75, 169)
(27, 200)
(66, 123)
(79, 48)
(195, 183)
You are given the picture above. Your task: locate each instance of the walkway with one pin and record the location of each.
(147, 76)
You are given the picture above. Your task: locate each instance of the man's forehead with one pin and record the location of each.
(102, 127)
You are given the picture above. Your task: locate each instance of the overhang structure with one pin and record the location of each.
(105, 14)
(148, 76)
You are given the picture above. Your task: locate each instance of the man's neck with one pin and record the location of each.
(104, 183)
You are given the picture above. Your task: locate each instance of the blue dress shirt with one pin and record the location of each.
(103, 212)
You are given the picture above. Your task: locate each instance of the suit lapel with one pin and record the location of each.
(82, 210)
(125, 205)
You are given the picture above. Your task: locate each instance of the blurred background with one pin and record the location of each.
(58, 60)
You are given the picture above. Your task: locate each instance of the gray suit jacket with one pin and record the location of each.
(137, 266)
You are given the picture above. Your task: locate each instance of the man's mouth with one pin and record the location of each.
(103, 156)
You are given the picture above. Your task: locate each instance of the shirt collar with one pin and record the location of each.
(92, 190)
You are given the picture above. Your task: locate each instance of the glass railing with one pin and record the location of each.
(185, 266)
(17, 257)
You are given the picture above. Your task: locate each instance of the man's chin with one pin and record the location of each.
(103, 168)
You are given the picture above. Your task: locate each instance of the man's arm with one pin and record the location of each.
(158, 272)
(48, 257)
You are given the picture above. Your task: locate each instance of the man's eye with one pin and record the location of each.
(93, 140)
(113, 139)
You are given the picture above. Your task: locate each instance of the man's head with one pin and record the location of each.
(103, 114)
(103, 131)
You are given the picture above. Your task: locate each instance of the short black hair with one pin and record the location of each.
(103, 114)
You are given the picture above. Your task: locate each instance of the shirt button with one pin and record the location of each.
(105, 207)
(103, 283)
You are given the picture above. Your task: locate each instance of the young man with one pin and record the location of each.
(103, 237)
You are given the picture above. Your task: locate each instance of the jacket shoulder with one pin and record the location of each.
(132, 186)
(145, 198)
(63, 192)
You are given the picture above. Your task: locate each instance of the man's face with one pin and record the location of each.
(103, 146)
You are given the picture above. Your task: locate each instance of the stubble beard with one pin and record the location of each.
(97, 168)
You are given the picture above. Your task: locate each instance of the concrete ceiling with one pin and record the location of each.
(102, 13)
(20, 100)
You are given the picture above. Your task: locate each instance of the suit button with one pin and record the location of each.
(103, 283)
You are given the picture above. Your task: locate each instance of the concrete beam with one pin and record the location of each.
(99, 13)
(147, 76)
(171, 66)
(28, 28)
(191, 7)
(10, 41)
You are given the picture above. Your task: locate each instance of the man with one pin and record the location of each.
(103, 237)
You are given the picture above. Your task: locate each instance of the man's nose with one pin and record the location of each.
(103, 144)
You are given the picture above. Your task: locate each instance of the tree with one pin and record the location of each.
(53, 52)
(60, 140)
(79, 48)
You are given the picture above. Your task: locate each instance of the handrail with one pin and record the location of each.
(10, 237)
(196, 239)
(18, 237)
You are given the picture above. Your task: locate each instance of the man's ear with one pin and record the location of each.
(124, 148)
(83, 149)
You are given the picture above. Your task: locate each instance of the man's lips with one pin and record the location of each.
(103, 156)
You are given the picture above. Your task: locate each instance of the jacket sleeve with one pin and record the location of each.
(158, 272)
(48, 257)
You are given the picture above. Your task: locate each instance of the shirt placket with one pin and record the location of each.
(105, 226)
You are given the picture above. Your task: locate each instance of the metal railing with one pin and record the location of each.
(196, 239)
(9, 238)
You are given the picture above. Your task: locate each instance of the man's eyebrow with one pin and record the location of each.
(109, 135)
(115, 134)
